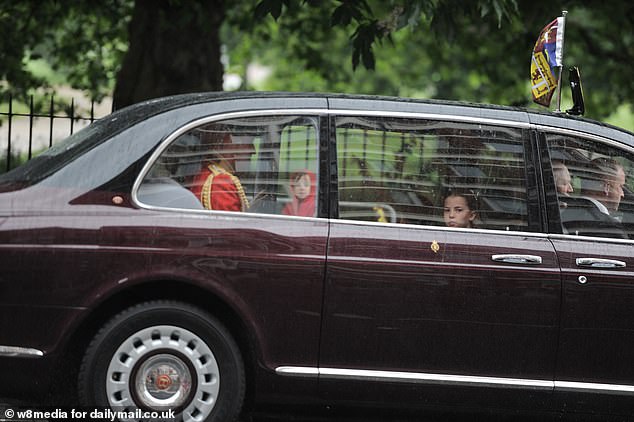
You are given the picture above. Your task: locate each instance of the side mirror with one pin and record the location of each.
(578, 107)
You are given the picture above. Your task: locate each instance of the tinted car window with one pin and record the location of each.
(73, 147)
(401, 170)
(255, 164)
(594, 187)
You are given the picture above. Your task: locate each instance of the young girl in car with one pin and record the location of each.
(460, 209)
(302, 192)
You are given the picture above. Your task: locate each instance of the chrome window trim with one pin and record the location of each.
(298, 112)
(20, 352)
(585, 135)
(449, 379)
(204, 120)
(371, 113)
(556, 236)
(446, 117)
(431, 116)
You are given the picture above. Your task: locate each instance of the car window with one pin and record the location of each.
(66, 151)
(402, 170)
(594, 185)
(252, 164)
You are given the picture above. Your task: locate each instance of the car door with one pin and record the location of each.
(229, 215)
(596, 252)
(416, 311)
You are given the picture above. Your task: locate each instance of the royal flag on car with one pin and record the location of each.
(547, 55)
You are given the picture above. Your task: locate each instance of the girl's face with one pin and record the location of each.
(301, 186)
(457, 212)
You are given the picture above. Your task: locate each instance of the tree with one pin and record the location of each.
(173, 44)
(373, 24)
(450, 49)
(484, 60)
(154, 48)
(174, 48)
(85, 42)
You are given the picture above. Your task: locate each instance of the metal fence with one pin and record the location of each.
(24, 134)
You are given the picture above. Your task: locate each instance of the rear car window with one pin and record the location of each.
(252, 164)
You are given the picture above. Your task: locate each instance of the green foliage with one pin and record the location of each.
(474, 51)
(407, 62)
(82, 44)
(91, 46)
(20, 24)
(451, 49)
(623, 116)
(379, 20)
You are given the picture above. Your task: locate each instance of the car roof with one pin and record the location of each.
(338, 101)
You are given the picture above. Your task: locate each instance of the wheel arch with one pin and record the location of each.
(161, 289)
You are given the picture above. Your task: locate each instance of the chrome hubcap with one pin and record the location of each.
(164, 367)
(163, 380)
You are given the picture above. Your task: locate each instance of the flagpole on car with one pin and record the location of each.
(561, 66)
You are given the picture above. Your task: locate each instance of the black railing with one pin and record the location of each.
(8, 128)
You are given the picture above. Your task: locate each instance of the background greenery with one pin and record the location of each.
(473, 51)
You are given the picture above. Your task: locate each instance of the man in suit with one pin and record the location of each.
(607, 186)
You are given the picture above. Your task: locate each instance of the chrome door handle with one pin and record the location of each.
(517, 259)
(599, 263)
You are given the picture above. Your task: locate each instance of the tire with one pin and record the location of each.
(164, 355)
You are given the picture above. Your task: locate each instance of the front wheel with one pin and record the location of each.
(164, 356)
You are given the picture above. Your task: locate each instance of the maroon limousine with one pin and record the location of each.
(198, 252)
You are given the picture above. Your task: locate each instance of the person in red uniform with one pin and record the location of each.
(216, 186)
(302, 188)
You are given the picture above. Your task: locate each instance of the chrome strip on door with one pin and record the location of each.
(21, 352)
(593, 387)
(415, 377)
(297, 370)
(444, 379)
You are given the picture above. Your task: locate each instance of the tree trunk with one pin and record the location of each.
(174, 49)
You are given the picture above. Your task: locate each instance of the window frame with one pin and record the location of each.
(320, 115)
(554, 224)
(535, 214)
